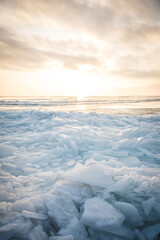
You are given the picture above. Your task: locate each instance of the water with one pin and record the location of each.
(135, 105)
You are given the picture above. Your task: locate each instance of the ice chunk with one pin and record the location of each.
(78, 192)
(8, 167)
(99, 213)
(120, 186)
(69, 237)
(131, 213)
(39, 201)
(142, 187)
(24, 204)
(6, 150)
(18, 229)
(5, 178)
(70, 163)
(86, 174)
(34, 215)
(47, 176)
(37, 234)
(151, 232)
(147, 205)
(3, 207)
(74, 228)
(122, 232)
(132, 161)
(6, 195)
(61, 209)
(139, 234)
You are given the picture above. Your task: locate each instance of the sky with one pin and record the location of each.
(79, 47)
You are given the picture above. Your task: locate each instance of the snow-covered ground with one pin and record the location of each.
(81, 176)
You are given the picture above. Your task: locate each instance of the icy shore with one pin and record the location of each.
(81, 176)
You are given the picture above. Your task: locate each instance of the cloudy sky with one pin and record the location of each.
(79, 47)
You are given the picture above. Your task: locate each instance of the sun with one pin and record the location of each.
(80, 97)
(69, 82)
(77, 83)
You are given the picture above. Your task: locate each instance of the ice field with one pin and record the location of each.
(80, 174)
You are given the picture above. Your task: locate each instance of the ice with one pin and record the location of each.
(131, 214)
(120, 186)
(61, 209)
(3, 207)
(16, 229)
(24, 204)
(131, 161)
(9, 167)
(77, 192)
(147, 205)
(75, 175)
(74, 228)
(139, 235)
(86, 174)
(151, 232)
(37, 234)
(69, 237)
(6, 150)
(99, 213)
(34, 215)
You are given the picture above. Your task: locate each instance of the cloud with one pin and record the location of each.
(19, 55)
(78, 32)
(138, 74)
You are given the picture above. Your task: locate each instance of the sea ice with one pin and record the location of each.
(100, 214)
(151, 232)
(61, 209)
(77, 192)
(37, 233)
(121, 185)
(147, 205)
(17, 229)
(139, 234)
(131, 161)
(131, 214)
(24, 204)
(112, 192)
(86, 174)
(6, 150)
(34, 215)
(69, 237)
(3, 207)
(75, 228)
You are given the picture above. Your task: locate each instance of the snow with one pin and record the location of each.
(77, 175)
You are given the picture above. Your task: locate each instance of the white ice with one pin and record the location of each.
(147, 205)
(81, 176)
(131, 214)
(33, 215)
(100, 214)
(86, 174)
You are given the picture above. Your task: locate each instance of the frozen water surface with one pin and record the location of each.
(80, 174)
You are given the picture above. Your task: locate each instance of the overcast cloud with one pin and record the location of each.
(121, 37)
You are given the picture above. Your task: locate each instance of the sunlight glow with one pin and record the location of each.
(80, 97)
